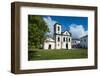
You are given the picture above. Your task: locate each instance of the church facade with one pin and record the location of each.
(60, 40)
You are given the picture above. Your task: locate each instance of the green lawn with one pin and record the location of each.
(40, 54)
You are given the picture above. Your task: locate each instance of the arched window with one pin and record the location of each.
(69, 39)
(58, 39)
(64, 39)
(58, 28)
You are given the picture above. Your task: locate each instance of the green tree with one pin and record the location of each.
(37, 29)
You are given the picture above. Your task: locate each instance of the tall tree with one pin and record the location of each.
(37, 30)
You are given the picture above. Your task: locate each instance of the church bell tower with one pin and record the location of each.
(57, 28)
(57, 35)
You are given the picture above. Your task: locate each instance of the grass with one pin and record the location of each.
(41, 54)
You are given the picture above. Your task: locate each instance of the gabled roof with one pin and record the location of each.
(65, 31)
(84, 36)
(48, 39)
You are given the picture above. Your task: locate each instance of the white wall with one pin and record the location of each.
(64, 43)
(5, 50)
(69, 45)
(46, 45)
(58, 43)
(84, 44)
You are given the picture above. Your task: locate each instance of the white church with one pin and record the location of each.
(60, 40)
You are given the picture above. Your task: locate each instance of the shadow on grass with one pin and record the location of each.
(32, 54)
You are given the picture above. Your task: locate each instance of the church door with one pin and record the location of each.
(49, 46)
(66, 46)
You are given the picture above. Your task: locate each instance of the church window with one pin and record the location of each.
(69, 39)
(58, 28)
(58, 38)
(64, 39)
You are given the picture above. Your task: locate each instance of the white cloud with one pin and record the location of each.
(50, 24)
(77, 31)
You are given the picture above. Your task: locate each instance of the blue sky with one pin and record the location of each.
(78, 26)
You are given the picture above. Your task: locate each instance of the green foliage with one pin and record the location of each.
(37, 30)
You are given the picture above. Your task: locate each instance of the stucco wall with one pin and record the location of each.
(58, 43)
(46, 45)
(66, 42)
(84, 44)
